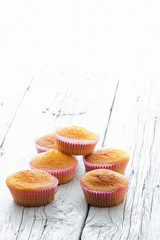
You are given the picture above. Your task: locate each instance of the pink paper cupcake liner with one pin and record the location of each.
(117, 167)
(74, 146)
(63, 175)
(34, 198)
(104, 199)
(41, 149)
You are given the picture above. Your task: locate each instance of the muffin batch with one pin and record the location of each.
(103, 184)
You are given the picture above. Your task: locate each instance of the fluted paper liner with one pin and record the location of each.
(104, 199)
(41, 149)
(75, 146)
(63, 175)
(117, 167)
(34, 198)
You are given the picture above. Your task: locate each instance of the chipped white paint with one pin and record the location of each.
(126, 116)
(46, 105)
(110, 40)
(134, 126)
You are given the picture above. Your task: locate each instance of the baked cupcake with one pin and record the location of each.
(75, 140)
(58, 164)
(45, 143)
(108, 158)
(103, 187)
(32, 188)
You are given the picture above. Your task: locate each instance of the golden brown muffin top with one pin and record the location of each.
(47, 141)
(107, 156)
(53, 160)
(103, 180)
(29, 180)
(75, 132)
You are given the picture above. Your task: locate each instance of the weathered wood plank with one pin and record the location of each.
(136, 130)
(134, 126)
(11, 98)
(59, 101)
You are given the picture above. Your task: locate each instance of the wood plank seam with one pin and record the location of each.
(104, 137)
(144, 129)
(45, 224)
(20, 224)
(34, 220)
(14, 116)
(110, 113)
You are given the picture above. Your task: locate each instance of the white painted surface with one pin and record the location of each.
(60, 62)
(131, 125)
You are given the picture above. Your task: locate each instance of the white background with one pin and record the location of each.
(120, 38)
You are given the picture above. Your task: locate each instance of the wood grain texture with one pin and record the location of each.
(11, 98)
(121, 38)
(138, 216)
(47, 105)
(126, 116)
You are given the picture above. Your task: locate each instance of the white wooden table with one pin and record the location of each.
(126, 116)
(90, 63)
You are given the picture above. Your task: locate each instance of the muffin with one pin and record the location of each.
(103, 187)
(45, 143)
(75, 140)
(108, 158)
(58, 164)
(32, 188)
